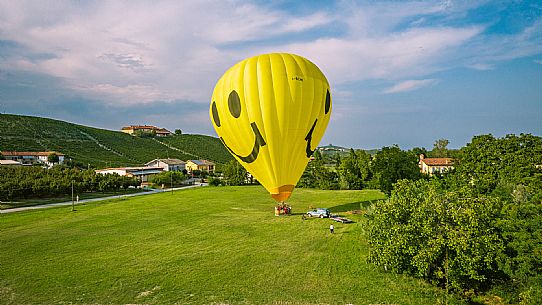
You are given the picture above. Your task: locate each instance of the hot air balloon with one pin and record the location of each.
(271, 111)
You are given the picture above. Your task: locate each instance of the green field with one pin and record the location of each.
(200, 246)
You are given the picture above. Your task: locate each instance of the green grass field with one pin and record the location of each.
(200, 246)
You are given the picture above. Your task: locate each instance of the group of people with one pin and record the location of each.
(283, 209)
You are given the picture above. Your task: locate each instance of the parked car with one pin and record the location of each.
(319, 213)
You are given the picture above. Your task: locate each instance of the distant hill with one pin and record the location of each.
(100, 147)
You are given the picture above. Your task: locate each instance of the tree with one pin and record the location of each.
(391, 164)
(509, 169)
(214, 181)
(479, 223)
(440, 148)
(2, 156)
(417, 151)
(235, 173)
(170, 178)
(324, 178)
(53, 158)
(317, 175)
(178, 132)
(354, 169)
(440, 235)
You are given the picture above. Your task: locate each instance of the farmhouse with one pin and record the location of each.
(168, 164)
(201, 165)
(331, 149)
(435, 165)
(32, 157)
(143, 173)
(146, 129)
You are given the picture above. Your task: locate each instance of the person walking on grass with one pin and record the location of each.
(331, 229)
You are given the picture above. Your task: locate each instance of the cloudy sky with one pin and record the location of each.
(403, 73)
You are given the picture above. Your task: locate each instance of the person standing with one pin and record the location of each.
(331, 229)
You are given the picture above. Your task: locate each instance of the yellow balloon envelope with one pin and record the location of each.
(271, 112)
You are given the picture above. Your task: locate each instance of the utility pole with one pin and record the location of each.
(73, 202)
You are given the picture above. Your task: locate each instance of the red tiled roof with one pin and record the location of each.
(162, 130)
(30, 153)
(438, 161)
(150, 127)
(139, 127)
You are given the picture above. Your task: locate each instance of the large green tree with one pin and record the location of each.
(510, 169)
(483, 220)
(354, 169)
(318, 175)
(441, 235)
(440, 148)
(391, 164)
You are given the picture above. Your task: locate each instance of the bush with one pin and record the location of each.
(170, 178)
(479, 223)
(214, 181)
(444, 237)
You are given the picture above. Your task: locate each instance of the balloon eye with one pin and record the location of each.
(328, 101)
(234, 104)
(216, 118)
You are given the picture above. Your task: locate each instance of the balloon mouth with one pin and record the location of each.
(282, 193)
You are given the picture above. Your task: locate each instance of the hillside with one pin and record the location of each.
(100, 147)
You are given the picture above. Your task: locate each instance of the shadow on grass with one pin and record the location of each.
(352, 206)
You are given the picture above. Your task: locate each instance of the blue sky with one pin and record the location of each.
(401, 72)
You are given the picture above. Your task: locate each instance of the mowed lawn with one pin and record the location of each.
(219, 245)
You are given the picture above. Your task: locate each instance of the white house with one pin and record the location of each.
(168, 164)
(149, 129)
(435, 165)
(142, 173)
(32, 157)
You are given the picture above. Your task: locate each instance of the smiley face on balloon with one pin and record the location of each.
(271, 111)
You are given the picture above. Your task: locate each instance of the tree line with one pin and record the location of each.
(359, 170)
(475, 229)
(35, 181)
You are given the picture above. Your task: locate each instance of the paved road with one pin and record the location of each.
(50, 205)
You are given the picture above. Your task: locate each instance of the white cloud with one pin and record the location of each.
(411, 53)
(482, 67)
(538, 61)
(126, 94)
(410, 85)
(129, 52)
(136, 52)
